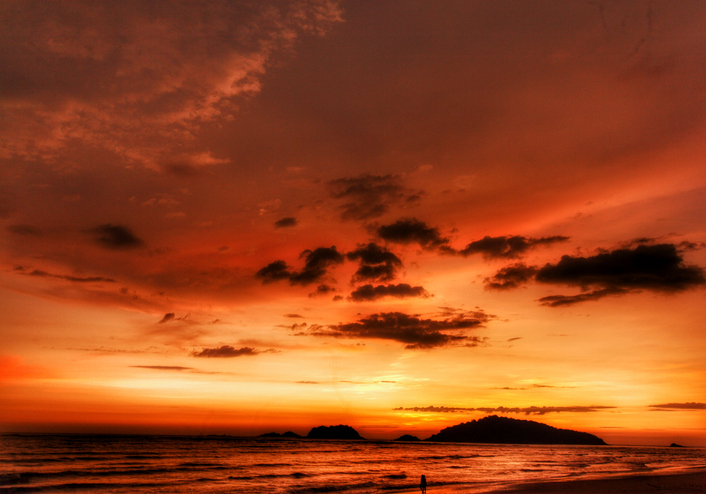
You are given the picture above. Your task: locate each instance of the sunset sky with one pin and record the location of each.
(237, 217)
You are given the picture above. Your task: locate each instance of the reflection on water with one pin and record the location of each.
(122, 464)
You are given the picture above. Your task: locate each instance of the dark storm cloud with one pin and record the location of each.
(411, 230)
(367, 293)
(652, 267)
(376, 263)
(525, 410)
(115, 237)
(370, 196)
(507, 246)
(316, 264)
(679, 406)
(286, 222)
(412, 330)
(225, 351)
(510, 277)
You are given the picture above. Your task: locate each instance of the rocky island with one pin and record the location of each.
(503, 430)
(288, 434)
(333, 432)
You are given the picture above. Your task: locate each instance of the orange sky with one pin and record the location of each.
(240, 217)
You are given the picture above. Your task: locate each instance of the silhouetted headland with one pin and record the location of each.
(333, 432)
(408, 437)
(288, 434)
(503, 430)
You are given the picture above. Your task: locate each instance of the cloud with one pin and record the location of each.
(680, 406)
(411, 230)
(163, 367)
(316, 264)
(322, 290)
(286, 222)
(525, 410)
(563, 300)
(370, 196)
(511, 277)
(169, 316)
(413, 331)
(76, 279)
(368, 293)
(507, 246)
(657, 267)
(150, 74)
(225, 351)
(115, 237)
(376, 263)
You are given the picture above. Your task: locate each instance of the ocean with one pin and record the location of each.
(214, 465)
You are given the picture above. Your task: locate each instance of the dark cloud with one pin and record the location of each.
(169, 316)
(316, 264)
(115, 237)
(286, 222)
(76, 279)
(367, 293)
(225, 351)
(414, 331)
(645, 266)
(524, 410)
(652, 267)
(411, 230)
(294, 316)
(370, 196)
(563, 300)
(507, 246)
(376, 263)
(275, 271)
(680, 406)
(511, 277)
(322, 290)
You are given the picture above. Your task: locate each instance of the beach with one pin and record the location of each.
(678, 483)
(639, 484)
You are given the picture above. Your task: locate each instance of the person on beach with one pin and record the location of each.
(423, 485)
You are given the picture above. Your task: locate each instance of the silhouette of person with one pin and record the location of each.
(423, 485)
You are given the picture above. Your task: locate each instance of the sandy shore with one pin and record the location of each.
(690, 483)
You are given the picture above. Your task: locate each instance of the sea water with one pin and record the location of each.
(214, 465)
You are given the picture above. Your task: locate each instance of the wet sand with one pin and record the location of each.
(689, 483)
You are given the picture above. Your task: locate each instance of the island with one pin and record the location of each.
(288, 434)
(408, 437)
(333, 432)
(503, 430)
